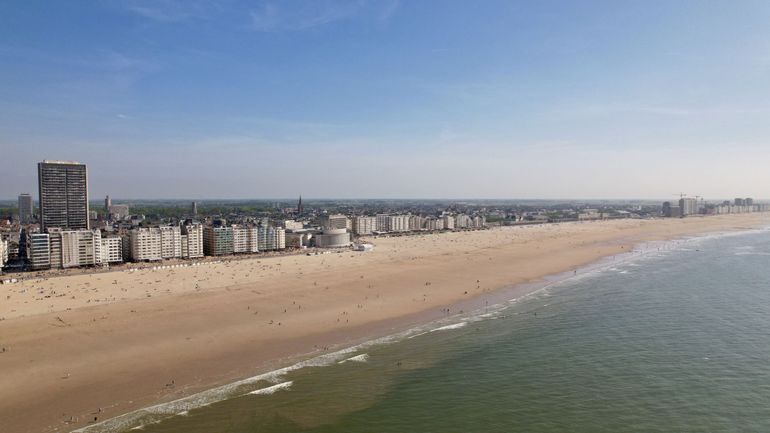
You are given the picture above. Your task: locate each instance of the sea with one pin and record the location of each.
(672, 337)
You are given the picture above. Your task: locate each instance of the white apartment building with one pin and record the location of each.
(415, 222)
(80, 247)
(245, 239)
(170, 242)
(334, 222)
(463, 221)
(449, 222)
(111, 250)
(364, 225)
(271, 238)
(192, 241)
(39, 250)
(383, 223)
(3, 254)
(293, 225)
(145, 244)
(434, 224)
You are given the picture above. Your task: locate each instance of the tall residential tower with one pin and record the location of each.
(25, 208)
(63, 188)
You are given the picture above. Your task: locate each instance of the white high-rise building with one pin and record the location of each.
(80, 247)
(245, 239)
(193, 241)
(332, 222)
(3, 254)
(111, 250)
(170, 242)
(449, 222)
(39, 250)
(364, 225)
(383, 223)
(415, 222)
(145, 244)
(398, 223)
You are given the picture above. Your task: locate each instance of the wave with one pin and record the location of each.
(450, 327)
(358, 358)
(272, 389)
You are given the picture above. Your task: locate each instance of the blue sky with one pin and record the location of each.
(434, 99)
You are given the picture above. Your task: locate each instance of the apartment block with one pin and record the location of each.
(63, 189)
(364, 225)
(218, 241)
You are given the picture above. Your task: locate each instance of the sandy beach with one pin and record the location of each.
(75, 349)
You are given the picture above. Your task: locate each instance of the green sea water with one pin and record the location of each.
(675, 340)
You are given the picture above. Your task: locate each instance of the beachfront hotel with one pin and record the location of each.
(63, 189)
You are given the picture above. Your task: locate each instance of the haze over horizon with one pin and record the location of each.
(388, 99)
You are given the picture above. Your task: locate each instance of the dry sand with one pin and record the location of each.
(100, 345)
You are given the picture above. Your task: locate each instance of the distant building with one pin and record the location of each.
(688, 205)
(293, 225)
(107, 204)
(449, 222)
(739, 202)
(63, 192)
(331, 222)
(364, 225)
(118, 212)
(25, 208)
(333, 238)
(194, 208)
(3, 254)
(748, 201)
(271, 238)
(415, 222)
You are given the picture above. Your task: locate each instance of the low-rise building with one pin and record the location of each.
(333, 238)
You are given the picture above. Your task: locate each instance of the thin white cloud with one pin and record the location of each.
(172, 11)
(274, 17)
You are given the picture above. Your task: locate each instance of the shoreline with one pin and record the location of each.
(274, 379)
(393, 318)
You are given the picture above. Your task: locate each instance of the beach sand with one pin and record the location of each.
(80, 347)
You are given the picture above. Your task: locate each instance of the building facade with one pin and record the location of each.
(192, 241)
(218, 241)
(144, 244)
(25, 208)
(364, 225)
(63, 192)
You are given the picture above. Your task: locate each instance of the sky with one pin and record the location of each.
(389, 99)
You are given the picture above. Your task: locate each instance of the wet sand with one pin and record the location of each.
(98, 345)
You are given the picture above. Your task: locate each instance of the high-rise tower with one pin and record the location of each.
(63, 188)
(25, 208)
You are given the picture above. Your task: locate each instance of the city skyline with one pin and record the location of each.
(359, 99)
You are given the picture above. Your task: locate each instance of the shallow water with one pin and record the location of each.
(673, 340)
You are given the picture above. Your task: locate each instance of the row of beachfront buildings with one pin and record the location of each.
(367, 225)
(62, 249)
